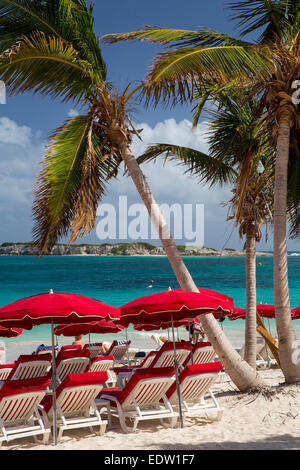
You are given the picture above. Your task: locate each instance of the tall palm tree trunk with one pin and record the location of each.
(244, 376)
(285, 331)
(250, 326)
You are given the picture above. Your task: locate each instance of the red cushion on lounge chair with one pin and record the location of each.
(195, 369)
(33, 357)
(13, 387)
(71, 346)
(29, 358)
(69, 353)
(140, 374)
(7, 366)
(102, 358)
(75, 380)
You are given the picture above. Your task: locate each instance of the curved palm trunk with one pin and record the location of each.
(285, 331)
(244, 376)
(250, 325)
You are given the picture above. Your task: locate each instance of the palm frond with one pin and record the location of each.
(69, 20)
(71, 183)
(176, 37)
(22, 17)
(46, 65)
(204, 167)
(59, 181)
(173, 73)
(268, 15)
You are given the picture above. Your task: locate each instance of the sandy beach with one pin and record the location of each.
(252, 421)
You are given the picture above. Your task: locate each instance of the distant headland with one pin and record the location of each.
(117, 249)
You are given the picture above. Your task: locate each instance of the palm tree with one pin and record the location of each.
(60, 57)
(235, 134)
(271, 66)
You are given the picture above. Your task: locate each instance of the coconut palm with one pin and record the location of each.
(236, 137)
(271, 66)
(86, 151)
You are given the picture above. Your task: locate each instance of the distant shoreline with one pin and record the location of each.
(118, 249)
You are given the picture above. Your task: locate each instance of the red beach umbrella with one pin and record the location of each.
(295, 313)
(170, 306)
(54, 308)
(76, 329)
(266, 310)
(237, 314)
(215, 294)
(10, 332)
(164, 306)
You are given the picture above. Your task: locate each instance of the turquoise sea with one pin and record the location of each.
(120, 279)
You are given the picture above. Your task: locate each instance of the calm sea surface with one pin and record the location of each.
(120, 279)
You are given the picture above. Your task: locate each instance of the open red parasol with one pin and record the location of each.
(76, 329)
(10, 332)
(55, 308)
(237, 314)
(168, 305)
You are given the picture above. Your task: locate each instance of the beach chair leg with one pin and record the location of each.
(123, 425)
(59, 436)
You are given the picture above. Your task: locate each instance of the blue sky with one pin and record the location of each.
(27, 120)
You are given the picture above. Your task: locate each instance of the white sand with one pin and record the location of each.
(250, 421)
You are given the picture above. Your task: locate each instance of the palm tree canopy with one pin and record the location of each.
(50, 47)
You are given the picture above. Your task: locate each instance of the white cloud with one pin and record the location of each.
(21, 150)
(12, 133)
(73, 113)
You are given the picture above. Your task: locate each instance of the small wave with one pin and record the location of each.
(294, 254)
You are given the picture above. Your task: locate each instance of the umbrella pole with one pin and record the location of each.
(128, 360)
(177, 377)
(191, 346)
(54, 387)
(90, 361)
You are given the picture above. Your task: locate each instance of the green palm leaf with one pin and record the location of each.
(70, 20)
(173, 73)
(70, 184)
(49, 66)
(204, 167)
(176, 37)
(269, 15)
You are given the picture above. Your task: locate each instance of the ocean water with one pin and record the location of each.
(120, 279)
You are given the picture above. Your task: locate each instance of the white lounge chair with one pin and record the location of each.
(195, 382)
(202, 352)
(5, 370)
(28, 366)
(75, 398)
(95, 349)
(71, 361)
(104, 363)
(143, 398)
(165, 356)
(19, 416)
(119, 351)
